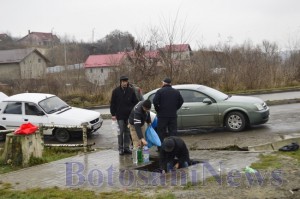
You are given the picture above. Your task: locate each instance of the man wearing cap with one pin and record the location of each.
(174, 154)
(167, 101)
(122, 101)
(139, 115)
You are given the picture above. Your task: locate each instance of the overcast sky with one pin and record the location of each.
(205, 22)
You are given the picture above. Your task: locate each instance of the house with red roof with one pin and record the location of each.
(98, 67)
(179, 52)
(39, 39)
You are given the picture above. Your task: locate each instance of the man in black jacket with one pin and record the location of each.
(123, 100)
(174, 154)
(167, 101)
(138, 117)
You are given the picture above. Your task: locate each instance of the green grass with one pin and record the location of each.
(271, 161)
(49, 155)
(292, 154)
(37, 193)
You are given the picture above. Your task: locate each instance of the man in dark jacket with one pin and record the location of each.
(167, 101)
(174, 154)
(123, 100)
(138, 117)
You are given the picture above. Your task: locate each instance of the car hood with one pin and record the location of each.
(76, 115)
(247, 99)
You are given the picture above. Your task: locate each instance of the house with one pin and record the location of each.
(39, 39)
(22, 64)
(179, 52)
(98, 67)
(4, 37)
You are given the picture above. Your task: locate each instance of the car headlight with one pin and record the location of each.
(259, 106)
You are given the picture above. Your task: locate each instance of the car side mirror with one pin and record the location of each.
(207, 101)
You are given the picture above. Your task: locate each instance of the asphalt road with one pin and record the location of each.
(284, 120)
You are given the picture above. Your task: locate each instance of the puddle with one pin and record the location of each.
(153, 165)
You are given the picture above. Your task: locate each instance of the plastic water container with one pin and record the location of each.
(115, 127)
(134, 155)
(146, 154)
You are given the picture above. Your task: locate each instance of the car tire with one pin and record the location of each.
(2, 135)
(62, 135)
(235, 121)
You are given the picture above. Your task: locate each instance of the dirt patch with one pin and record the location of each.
(269, 183)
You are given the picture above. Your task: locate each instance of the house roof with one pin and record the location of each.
(104, 60)
(42, 36)
(178, 47)
(17, 55)
(4, 37)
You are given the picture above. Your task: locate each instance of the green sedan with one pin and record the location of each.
(205, 107)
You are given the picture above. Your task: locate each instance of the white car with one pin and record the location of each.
(38, 108)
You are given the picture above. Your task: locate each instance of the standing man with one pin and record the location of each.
(122, 101)
(167, 101)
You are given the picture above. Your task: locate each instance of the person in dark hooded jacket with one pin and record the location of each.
(123, 100)
(174, 154)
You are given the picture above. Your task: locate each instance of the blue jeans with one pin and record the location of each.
(170, 165)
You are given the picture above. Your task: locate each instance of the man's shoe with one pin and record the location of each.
(127, 151)
(121, 152)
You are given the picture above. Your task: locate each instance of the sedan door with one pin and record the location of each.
(12, 115)
(194, 113)
(34, 114)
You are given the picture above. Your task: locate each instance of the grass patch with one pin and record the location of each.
(49, 155)
(6, 192)
(55, 192)
(270, 161)
(293, 154)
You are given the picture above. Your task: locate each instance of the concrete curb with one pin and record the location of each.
(275, 145)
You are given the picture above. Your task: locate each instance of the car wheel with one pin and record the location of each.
(235, 121)
(62, 135)
(2, 135)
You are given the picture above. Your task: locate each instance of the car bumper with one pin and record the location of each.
(259, 117)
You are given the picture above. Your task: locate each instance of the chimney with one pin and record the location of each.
(28, 31)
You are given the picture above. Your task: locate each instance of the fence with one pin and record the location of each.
(43, 127)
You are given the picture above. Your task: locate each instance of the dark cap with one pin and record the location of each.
(167, 80)
(147, 104)
(123, 78)
(168, 144)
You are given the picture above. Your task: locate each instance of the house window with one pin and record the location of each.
(91, 70)
(39, 60)
(101, 70)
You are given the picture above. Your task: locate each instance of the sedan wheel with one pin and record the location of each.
(235, 121)
(62, 135)
(2, 135)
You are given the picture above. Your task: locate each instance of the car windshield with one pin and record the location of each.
(213, 93)
(53, 104)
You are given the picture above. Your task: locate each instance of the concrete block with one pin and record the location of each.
(262, 147)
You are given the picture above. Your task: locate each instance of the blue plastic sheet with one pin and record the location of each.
(152, 137)
(154, 123)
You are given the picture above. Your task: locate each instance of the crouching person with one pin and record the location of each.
(139, 115)
(173, 154)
